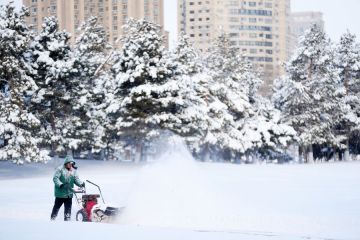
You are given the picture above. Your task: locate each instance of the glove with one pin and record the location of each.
(83, 185)
(73, 165)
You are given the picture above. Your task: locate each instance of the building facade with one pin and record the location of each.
(112, 14)
(259, 28)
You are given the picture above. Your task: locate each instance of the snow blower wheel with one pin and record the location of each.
(81, 216)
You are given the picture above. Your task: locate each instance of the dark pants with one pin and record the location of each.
(67, 208)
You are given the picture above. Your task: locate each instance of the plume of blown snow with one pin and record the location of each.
(172, 191)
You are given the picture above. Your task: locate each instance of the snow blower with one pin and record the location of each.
(91, 210)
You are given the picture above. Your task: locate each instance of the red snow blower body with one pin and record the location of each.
(91, 210)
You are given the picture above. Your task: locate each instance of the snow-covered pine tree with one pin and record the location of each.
(348, 62)
(250, 80)
(186, 57)
(307, 96)
(193, 87)
(265, 133)
(50, 58)
(194, 93)
(17, 124)
(90, 88)
(144, 99)
(230, 102)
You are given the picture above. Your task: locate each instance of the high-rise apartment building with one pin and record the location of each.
(302, 21)
(112, 14)
(259, 28)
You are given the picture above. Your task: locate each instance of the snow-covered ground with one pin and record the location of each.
(177, 198)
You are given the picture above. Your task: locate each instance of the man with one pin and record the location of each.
(64, 179)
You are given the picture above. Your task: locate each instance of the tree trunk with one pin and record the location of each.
(300, 154)
(310, 154)
(335, 156)
(247, 157)
(107, 153)
(206, 157)
(56, 161)
(347, 151)
(138, 154)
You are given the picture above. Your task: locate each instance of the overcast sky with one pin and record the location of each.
(338, 15)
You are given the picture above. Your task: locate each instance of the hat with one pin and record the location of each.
(69, 159)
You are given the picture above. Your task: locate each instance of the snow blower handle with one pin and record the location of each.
(98, 188)
(79, 191)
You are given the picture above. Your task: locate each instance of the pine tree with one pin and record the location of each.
(143, 100)
(265, 133)
(348, 62)
(187, 59)
(17, 124)
(230, 101)
(193, 91)
(307, 96)
(50, 58)
(90, 87)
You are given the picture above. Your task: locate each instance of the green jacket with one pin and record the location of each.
(66, 178)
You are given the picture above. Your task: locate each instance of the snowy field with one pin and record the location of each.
(177, 198)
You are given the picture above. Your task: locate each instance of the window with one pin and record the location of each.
(253, 35)
(255, 12)
(252, 20)
(255, 43)
(233, 3)
(268, 5)
(251, 28)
